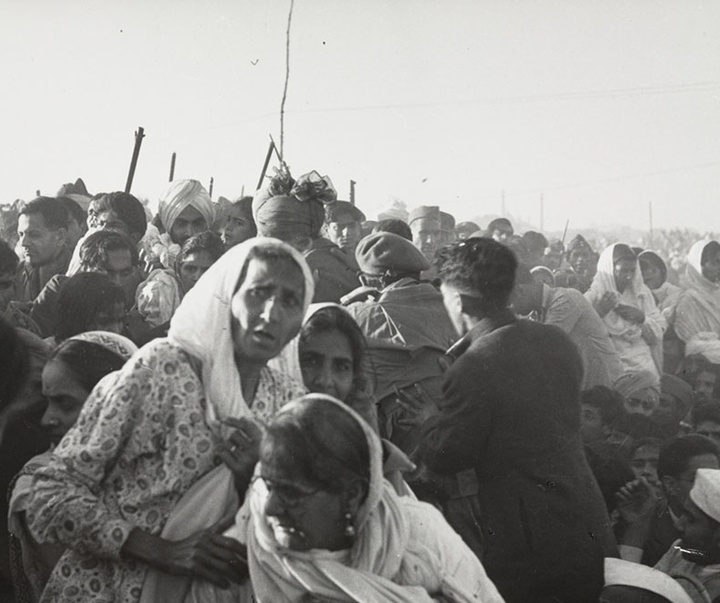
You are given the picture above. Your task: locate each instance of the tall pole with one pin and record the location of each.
(212, 181)
(352, 191)
(172, 167)
(139, 135)
(651, 224)
(270, 150)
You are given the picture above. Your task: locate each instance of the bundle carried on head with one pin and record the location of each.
(287, 208)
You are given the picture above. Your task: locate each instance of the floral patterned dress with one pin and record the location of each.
(140, 442)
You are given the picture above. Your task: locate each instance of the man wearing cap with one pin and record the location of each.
(407, 331)
(694, 559)
(343, 225)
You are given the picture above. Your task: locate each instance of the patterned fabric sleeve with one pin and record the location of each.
(84, 497)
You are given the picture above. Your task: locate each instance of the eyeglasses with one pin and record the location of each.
(291, 495)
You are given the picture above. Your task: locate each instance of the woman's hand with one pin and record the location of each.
(242, 451)
(630, 313)
(207, 555)
(606, 303)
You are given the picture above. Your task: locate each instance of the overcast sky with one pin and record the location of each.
(601, 107)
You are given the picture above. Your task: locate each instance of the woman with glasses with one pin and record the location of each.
(322, 524)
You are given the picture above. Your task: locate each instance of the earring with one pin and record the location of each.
(349, 527)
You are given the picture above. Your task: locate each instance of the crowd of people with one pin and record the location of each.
(277, 399)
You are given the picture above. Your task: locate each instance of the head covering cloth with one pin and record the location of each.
(578, 242)
(117, 344)
(385, 252)
(703, 290)
(652, 258)
(202, 324)
(619, 572)
(286, 208)
(633, 382)
(364, 573)
(180, 195)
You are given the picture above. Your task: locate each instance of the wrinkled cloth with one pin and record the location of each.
(698, 307)
(403, 551)
(629, 338)
(181, 194)
(286, 208)
(569, 310)
(201, 325)
(158, 296)
(633, 382)
(666, 295)
(335, 271)
(145, 436)
(510, 413)
(701, 582)
(33, 566)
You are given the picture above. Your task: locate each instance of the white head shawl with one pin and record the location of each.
(707, 291)
(636, 294)
(364, 573)
(202, 324)
(181, 194)
(113, 342)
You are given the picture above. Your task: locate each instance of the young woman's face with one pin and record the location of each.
(267, 308)
(652, 275)
(326, 360)
(711, 268)
(65, 397)
(238, 228)
(192, 267)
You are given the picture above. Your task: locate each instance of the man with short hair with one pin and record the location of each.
(646, 538)
(706, 420)
(406, 328)
(343, 225)
(510, 414)
(105, 251)
(42, 232)
(500, 229)
(694, 560)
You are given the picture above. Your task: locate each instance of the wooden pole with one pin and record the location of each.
(172, 167)
(352, 191)
(267, 162)
(567, 223)
(212, 181)
(139, 135)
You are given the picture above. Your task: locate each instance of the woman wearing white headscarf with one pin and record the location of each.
(150, 434)
(322, 524)
(628, 310)
(698, 307)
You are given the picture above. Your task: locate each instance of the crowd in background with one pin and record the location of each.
(492, 415)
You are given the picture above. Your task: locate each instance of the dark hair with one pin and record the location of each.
(88, 362)
(498, 223)
(645, 443)
(608, 402)
(324, 443)
(332, 318)
(481, 266)
(691, 366)
(74, 210)
(81, 299)
(396, 226)
(128, 209)
(52, 210)
(709, 251)
(676, 453)
(709, 411)
(244, 204)
(623, 252)
(14, 363)
(535, 241)
(205, 241)
(96, 246)
(8, 258)
(650, 258)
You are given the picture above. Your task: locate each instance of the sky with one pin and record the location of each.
(594, 111)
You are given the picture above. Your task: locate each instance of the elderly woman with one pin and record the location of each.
(628, 309)
(294, 211)
(158, 427)
(698, 307)
(322, 524)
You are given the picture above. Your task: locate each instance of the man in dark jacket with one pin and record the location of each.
(510, 411)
